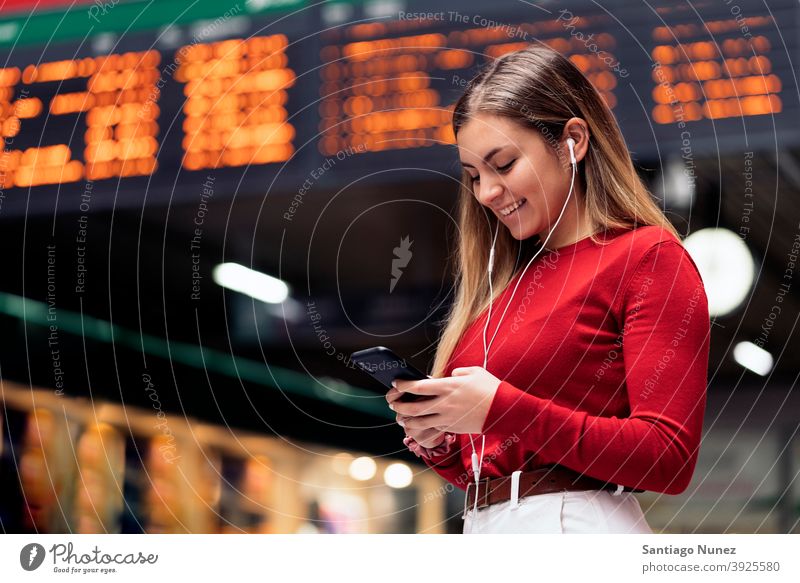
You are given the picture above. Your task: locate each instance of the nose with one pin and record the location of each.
(489, 192)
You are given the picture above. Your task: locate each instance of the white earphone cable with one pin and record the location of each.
(477, 463)
(486, 348)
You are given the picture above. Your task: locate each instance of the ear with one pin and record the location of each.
(577, 129)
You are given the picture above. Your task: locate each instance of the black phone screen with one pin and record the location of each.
(384, 365)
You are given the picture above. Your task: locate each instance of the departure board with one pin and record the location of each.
(667, 70)
(719, 75)
(713, 80)
(261, 100)
(717, 68)
(217, 96)
(392, 85)
(236, 92)
(234, 111)
(111, 93)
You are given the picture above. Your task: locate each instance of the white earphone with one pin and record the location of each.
(477, 463)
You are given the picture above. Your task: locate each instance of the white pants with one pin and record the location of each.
(569, 512)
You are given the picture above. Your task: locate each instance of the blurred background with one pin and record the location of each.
(204, 206)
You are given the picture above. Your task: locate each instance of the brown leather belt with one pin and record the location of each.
(542, 481)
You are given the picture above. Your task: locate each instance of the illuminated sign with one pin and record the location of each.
(235, 107)
(384, 84)
(119, 132)
(263, 102)
(730, 76)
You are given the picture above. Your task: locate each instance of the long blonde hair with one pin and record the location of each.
(540, 89)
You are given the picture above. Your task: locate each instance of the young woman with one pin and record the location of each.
(572, 369)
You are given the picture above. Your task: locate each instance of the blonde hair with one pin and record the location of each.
(540, 89)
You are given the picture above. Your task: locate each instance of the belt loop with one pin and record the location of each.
(618, 491)
(515, 489)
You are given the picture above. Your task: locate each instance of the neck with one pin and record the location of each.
(574, 225)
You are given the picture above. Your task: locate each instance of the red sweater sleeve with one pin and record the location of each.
(665, 344)
(449, 466)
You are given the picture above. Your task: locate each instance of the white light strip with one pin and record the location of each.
(753, 358)
(252, 283)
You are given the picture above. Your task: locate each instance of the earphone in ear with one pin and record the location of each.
(571, 144)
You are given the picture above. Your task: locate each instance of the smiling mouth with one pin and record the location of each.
(511, 209)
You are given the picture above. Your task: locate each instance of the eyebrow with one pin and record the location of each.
(488, 156)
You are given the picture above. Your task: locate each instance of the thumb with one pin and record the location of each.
(462, 370)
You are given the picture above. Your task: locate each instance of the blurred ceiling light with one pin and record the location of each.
(753, 357)
(336, 12)
(252, 283)
(362, 468)
(676, 185)
(378, 8)
(726, 266)
(341, 463)
(397, 475)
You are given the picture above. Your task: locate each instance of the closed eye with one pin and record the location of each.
(507, 167)
(501, 169)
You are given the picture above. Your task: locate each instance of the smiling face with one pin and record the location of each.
(519, 177)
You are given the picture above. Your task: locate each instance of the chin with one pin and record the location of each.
(521, 234)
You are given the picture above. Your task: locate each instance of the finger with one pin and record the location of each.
(404, 420)
(417, 408)
(427, 433)
(424, 422)
(392, 395)
(424, 386)
(399, 380)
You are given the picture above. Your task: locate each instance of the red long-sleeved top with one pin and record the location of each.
(603, 358)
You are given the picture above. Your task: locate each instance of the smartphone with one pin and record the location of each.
(384, 365)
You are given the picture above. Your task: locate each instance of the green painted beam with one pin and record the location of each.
(333, 391)
(48, 27)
